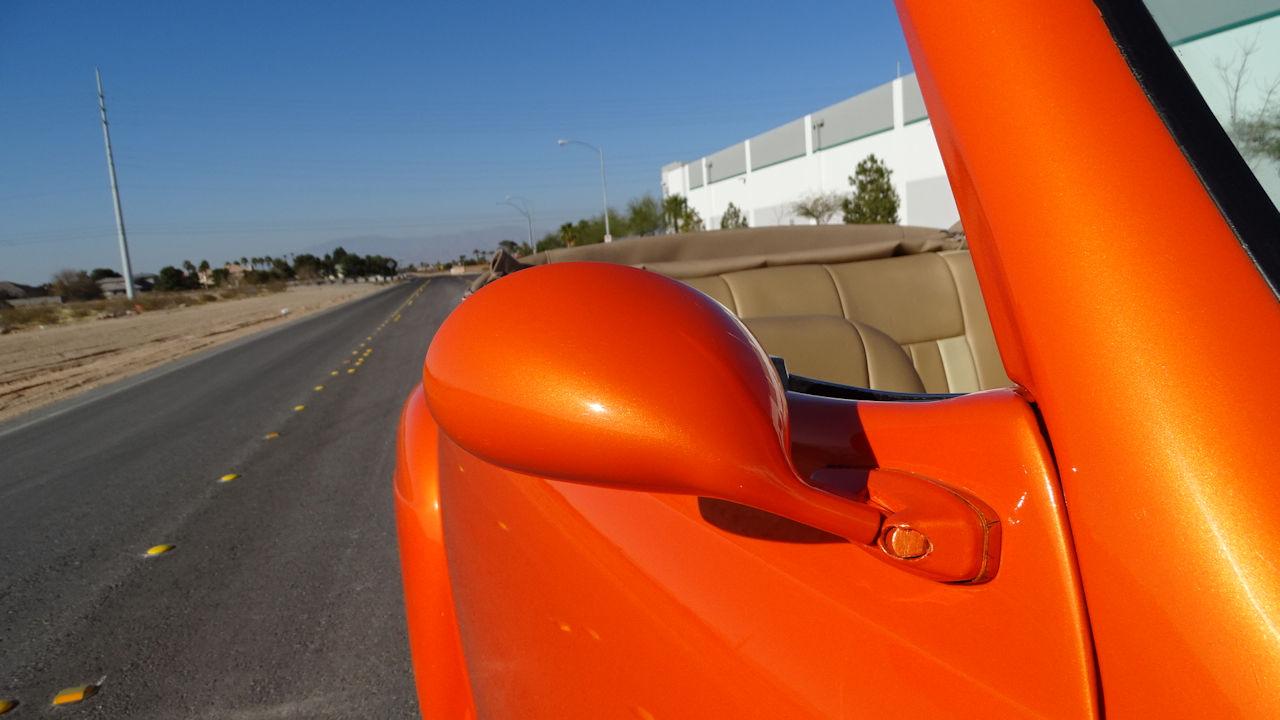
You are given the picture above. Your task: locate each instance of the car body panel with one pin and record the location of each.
(1122, 300)
(1135, 562)
(440, 670)
(683, 607)
(670, 605)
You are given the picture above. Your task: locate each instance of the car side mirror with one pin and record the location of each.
(608, 375)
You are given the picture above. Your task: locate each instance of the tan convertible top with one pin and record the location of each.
(706, 253)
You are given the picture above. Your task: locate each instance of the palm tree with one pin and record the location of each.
(680, 217)
(568, 235)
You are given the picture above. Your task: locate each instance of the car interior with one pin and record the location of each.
(885, 307)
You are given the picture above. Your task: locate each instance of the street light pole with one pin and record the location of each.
(524, 210)
(604, 184)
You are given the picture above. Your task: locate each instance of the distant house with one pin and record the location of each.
(14, 294)
(114, 286)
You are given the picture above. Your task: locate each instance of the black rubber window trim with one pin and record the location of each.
(1225, 175)
(812, 386)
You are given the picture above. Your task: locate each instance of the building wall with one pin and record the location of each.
(765, 175)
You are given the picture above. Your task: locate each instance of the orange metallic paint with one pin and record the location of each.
(443, 688)
(579, 601)
(722, 435)
(1123, 302)
(649, 418)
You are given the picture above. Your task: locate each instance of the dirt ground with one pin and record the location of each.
(38, 367)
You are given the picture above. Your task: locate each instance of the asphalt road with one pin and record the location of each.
(282, 596)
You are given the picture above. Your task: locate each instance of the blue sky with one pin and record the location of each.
(252, 128)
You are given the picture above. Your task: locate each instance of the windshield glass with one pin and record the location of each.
(1231, 50)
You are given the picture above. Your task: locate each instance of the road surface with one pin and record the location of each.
(281, 597)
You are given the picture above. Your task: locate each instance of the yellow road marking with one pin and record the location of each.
(155, 550)
(6, 705)
(299, 408)
(318, 388)
(333, 372)
(228, 477)
(73, 695)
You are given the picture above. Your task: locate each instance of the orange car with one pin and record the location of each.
(612, 504)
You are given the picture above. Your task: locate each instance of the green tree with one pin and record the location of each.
(307, 267)
(351, 265)
(281, 269)
(874, 198)
(101, 273)
(75, 285)
(733, 218)
(550, 241)
(679, 216)
(644, 216)
(171, 279)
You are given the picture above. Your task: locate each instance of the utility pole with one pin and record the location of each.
(115, 190)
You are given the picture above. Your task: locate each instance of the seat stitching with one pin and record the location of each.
(977, 369)
(732, 295)
(844, 307)
(866, 356)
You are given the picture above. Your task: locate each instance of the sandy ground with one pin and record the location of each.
(38, 367)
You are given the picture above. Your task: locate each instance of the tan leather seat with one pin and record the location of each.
(831, 348)
(824, 297)
(929, 303)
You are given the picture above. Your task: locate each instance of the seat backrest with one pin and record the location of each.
(832, 348)
(929, 303)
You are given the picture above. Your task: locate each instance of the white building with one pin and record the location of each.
(765, 175)
(1230, 48)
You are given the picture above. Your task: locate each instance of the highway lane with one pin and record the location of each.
(282, 597)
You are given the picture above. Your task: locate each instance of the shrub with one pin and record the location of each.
(874, 198)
